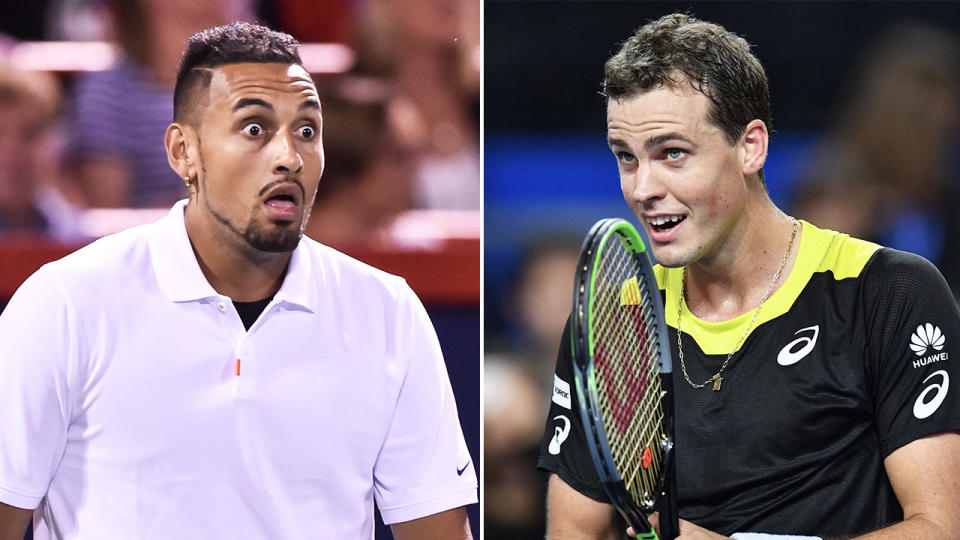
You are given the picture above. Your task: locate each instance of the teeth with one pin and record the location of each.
(660, 220)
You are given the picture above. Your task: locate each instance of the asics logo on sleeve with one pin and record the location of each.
(788, 356)
(560, 434)
(922, 408)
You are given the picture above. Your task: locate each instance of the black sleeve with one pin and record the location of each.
(563, 449)
(913, 329)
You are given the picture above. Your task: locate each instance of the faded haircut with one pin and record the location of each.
(234, 43)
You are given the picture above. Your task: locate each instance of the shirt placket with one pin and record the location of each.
(240, 365)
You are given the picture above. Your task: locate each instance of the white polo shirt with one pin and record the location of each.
(122, 414)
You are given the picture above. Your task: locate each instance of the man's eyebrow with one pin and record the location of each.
(310, 104)
(251, 102)
(613, 141)
(656, 141)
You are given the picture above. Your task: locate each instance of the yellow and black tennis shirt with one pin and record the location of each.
(854, 356)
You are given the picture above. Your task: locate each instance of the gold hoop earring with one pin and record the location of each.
(186, 180)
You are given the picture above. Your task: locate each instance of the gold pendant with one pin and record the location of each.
(717, 379)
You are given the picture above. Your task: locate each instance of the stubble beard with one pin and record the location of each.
(260, 234)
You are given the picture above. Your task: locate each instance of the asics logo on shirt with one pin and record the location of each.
(927, 336)
(788, 356)
(560, 434)
(922, 408)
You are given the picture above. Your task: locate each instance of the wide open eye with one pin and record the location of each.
(252, 129)
(307, 132)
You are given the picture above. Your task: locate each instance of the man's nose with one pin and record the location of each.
(288, 158)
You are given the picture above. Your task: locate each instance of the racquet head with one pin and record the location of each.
(622, 369)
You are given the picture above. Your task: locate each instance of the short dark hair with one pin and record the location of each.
(715, 62)
(234, 43)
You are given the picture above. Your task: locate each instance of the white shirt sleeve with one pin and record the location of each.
(36, 346)
(424, 466)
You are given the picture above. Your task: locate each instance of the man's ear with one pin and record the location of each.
(182, 144)
(753, 146)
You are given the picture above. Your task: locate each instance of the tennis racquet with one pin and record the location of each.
(622, 368)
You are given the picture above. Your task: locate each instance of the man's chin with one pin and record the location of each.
(274, 238)
(667, 259)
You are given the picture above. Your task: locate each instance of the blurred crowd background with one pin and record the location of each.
(402, 78)
(865, 103)
(86, 94)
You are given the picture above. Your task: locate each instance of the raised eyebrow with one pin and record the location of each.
(251, 102)
(658, 140)
(310, 104)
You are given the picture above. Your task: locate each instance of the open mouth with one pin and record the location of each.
(284, 198)
(664, 223)
(281, 200)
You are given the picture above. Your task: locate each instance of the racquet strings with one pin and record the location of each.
(626, 359)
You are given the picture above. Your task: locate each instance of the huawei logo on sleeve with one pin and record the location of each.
(926, 337)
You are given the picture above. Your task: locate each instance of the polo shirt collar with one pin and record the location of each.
(296, 288)
(182, 280)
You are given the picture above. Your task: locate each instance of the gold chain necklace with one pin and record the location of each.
(717, 379)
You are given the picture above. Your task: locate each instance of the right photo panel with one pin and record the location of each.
(757, 341)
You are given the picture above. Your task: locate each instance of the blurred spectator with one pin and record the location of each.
(77, 20)
(29, 102)
(539, 302)
(429, 48)
(119, 116)
(888, 170)
(514, 491)
(518, 381)
(371, 140)
(316, 20)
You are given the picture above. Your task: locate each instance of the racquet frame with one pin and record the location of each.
(586, 383)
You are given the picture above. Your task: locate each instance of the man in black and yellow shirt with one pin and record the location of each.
(813, 373)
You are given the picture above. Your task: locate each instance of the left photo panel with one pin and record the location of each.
(240, 283)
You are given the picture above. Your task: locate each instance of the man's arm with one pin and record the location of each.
(925, 475)
(13, 522)
(449, 525)
(574, 516)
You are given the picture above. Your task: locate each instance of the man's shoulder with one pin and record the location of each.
(337, 267)
(106, 258)
(840, 254)
(104, 268)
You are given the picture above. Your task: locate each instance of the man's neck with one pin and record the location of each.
(233, 268)
(733, 281)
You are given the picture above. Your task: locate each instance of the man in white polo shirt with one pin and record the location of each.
(215, 374)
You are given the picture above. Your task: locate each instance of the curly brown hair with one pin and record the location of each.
(679, 48)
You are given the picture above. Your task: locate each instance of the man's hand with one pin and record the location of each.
(688, 531)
